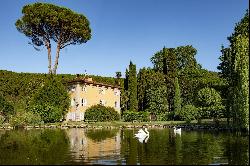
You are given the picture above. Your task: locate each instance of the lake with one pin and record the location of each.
(120, 147)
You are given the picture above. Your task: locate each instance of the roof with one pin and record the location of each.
(90, 81)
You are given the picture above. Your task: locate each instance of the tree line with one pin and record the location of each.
(178, 88)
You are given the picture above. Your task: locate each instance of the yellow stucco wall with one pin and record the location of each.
(91, 94)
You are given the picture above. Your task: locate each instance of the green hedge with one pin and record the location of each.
(188, 113)
(101, 113)
(129, 116)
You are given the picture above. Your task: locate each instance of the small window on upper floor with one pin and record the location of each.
(72, 88)
(116, 92)
(84, 88)
(101, 91)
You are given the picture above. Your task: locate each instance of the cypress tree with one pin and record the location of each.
(177, 97)
(132, 88)
(235, 68)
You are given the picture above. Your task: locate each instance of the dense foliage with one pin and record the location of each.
(101, 113)
(210, 103)
(172, 62)
(149, 79)
(130, 116)
(187, 113)
(156, 101)
(19, 88)
(132, 88)
(6, 109)
(177, 96)
(51, 101)
(234, 68)
(21, 119)
(44, 23)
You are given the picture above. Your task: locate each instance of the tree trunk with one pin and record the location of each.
(48, 45)
(57, 58)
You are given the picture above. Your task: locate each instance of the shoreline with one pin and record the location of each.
(124, 125)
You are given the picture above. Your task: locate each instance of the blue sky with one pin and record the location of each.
(124, 30)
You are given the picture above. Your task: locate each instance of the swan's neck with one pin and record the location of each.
(146, 131)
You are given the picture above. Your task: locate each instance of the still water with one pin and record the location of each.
(120, 147)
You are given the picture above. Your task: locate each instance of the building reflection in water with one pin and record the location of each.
(87, 149)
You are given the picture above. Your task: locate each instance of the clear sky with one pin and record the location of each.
(124, 30)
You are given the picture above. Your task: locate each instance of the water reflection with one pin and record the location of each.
(120, 147)
(33, 147)
(94, 146)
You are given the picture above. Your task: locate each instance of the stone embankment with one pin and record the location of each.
(128, 126)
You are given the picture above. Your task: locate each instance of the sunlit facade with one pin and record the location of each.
(84, 93)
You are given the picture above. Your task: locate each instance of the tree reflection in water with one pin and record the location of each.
(48, 146)
(119, 147)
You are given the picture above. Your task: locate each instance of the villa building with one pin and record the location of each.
(84, 93)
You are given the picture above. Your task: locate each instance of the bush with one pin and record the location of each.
(21, 119)
(48, 113)
(51, 101)
(129, 116)
(162, 116)
(188, 113)
(210, 103)
(101, 113)
(6, 109)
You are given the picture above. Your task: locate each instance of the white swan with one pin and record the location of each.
(177, 130)
(142, 135)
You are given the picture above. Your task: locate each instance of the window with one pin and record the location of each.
(84, 88)
(101, 91)
(116, 92)
(84, 102)
(102, 102)
(72, 88)
(116, 104)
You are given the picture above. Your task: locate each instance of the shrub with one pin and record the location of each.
(21, 119)
(6, 109)
(162, 116)
(51, 101)
(188, 113)
(129, 116)
(48, 113)
(210, 103)
(101, 113)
